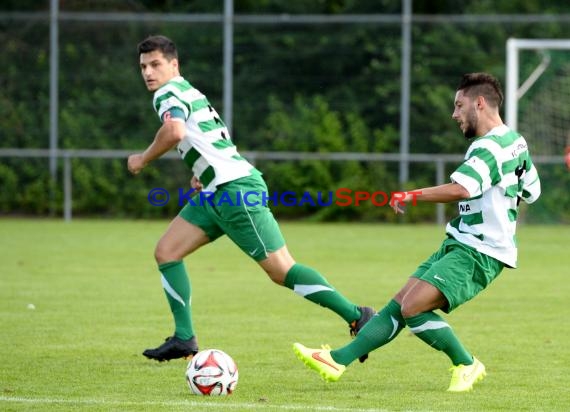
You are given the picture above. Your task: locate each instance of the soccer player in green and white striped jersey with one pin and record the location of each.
(192, 125)
(497, 173)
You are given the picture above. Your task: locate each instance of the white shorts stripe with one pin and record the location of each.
(253, 224)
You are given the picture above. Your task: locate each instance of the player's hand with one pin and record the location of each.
(398, 202)
(196, 184)
(135, 163)
(398, 207)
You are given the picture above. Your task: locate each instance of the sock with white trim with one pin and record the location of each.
(436, 332)
(378, 331)
(177, 288)
(311, 285)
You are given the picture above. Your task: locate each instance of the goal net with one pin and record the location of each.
(537, 95)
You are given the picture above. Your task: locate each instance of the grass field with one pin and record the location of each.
(99, 303)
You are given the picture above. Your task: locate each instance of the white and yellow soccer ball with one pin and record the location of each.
(212, 372)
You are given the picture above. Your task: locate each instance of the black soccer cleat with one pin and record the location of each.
(366, 314)
(173, 348)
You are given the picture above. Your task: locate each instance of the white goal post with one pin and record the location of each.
(513, 92)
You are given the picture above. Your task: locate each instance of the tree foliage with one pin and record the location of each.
(297, 87)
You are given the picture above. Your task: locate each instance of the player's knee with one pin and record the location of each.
(276, 276)
(408, 309)
(163, 254)
(277, 265)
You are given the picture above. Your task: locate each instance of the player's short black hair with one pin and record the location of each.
(158, 42)
(482, 84)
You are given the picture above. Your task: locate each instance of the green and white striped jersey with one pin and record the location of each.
(497, 172)
(207, 147)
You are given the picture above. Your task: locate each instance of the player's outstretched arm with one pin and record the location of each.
(449, 192)
(169, 135)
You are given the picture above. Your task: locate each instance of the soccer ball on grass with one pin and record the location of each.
(212, 372)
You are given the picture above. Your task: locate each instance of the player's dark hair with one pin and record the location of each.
(482, 84)
(161, 43)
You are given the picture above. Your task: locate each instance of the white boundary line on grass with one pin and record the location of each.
(206, 404)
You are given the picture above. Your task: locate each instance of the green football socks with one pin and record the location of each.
(378, 331)
(436, 332)
(310, 284)
(176, 285)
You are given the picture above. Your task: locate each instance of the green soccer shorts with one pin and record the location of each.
(459, 271)
(239, 210)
